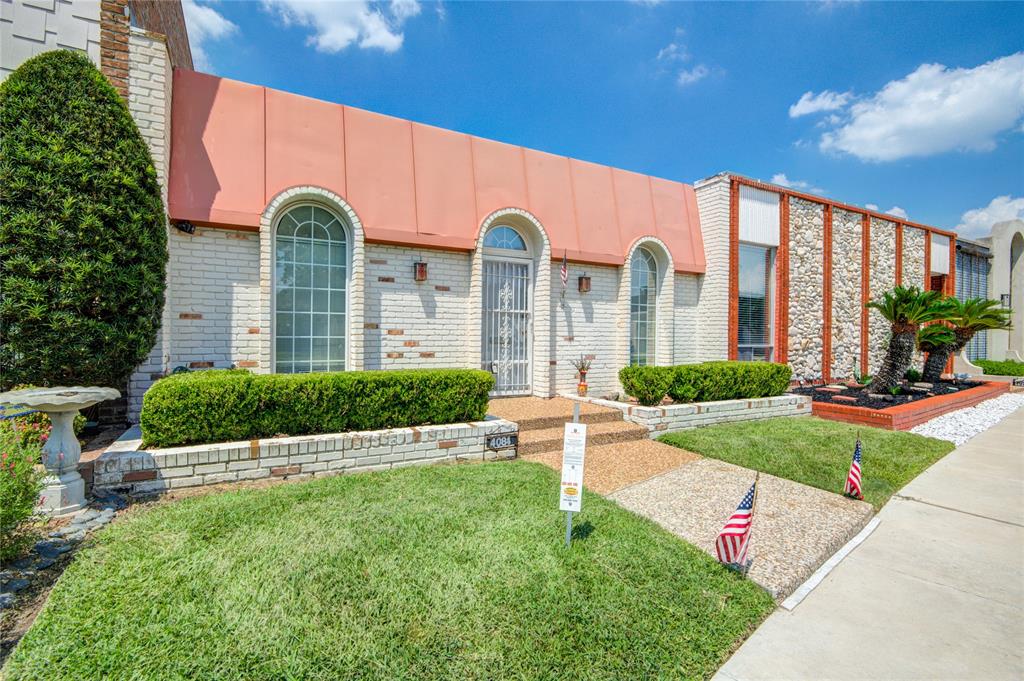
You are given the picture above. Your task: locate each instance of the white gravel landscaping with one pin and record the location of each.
(961, 425)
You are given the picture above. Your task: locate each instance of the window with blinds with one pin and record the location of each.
(756, 302)
(972, 282)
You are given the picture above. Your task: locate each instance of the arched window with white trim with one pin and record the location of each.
(643, 290)
(311, 261)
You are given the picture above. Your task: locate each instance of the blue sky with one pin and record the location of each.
(916, 107)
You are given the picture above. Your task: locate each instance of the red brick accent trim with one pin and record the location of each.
(927, 284)
(782, 285)
(200, 365)
(951, 286)
(138, 476)
(899, 254)
(190, 315)
(826, 332)
(377, 261)
(865, 290)
(447, 444)
(734, 274)
(396, 332)
(114, 44)
(416, 435)
(569, 339)
(411, 344)
(395, 355)
(279, 471)
(254, 329)
(386, 280)
(371, 325)
(254, 449)
(906, 416)
(426, 354)
(442, 288)
(247, 363)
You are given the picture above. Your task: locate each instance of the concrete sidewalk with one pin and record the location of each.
(936, 592)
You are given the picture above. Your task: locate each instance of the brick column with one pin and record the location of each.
(114, 25)
(734, 272)
(782, 284)
(826, 307)
(865, 290)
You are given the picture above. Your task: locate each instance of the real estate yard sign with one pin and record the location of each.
(573, 449)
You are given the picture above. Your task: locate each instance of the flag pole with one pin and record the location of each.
(753, 514)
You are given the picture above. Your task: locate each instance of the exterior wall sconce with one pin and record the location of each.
(1004, 299)
(419, 271)
(184, 225)
(584, 284)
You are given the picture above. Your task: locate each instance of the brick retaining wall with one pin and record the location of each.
(125, 467)
(672, 417)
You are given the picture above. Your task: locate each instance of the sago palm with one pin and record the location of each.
(906, 309)
(967, 317)
(935, 341)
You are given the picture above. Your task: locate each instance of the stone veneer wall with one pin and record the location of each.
(125, 467)
(806, 284)
(913, 270)
(712, 334)
(847, 246)
(882, 278)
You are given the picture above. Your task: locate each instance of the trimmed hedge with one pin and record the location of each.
(706, 382)
(226, 405)
(83, 237)
(647, 384)
(1005, 368)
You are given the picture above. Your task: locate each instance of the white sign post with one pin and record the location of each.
(574, 447)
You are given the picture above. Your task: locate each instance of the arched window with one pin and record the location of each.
(310, 291)
(643, 291)
(504, 238)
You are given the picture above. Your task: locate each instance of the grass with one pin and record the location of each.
(444, 572)
(817, 452)
(1005, 368)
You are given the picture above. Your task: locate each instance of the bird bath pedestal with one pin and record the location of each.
(65, 489)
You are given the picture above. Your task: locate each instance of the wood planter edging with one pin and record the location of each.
(906, 416)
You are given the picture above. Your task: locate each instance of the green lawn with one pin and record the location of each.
(817, 452)
(454, 572)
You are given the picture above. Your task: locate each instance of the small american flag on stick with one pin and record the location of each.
(732, 542)
(852, 487)
(565, 271)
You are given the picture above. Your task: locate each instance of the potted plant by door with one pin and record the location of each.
(582, 367)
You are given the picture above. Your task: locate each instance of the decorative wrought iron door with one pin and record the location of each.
(506, 329)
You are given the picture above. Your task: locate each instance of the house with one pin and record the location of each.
(313, 236)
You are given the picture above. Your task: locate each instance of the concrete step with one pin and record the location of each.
(600, 433)
(534, 413)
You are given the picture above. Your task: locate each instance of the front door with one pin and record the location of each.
(506, 322)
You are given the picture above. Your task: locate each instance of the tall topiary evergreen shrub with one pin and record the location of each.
(83, 243)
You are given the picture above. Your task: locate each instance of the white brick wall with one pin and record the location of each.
(31, 27)
(408, 324)
(149, 101)
(713, 304)
(586, 324)
(687, 319)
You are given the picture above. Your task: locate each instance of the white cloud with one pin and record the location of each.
(204, 24)
(978, 222)
(898, 212)
(783, 181)
(690, 76)
(871, 206)
(827, 100)
(673, 52)
(336, 25)
(933, 110)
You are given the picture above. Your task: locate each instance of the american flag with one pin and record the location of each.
(731, 545)
(565, 270)
(852, 487)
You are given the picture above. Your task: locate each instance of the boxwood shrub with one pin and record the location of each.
(225, 405)
(706, 382)
(1005, 368)
(713, 381)
(647, 384)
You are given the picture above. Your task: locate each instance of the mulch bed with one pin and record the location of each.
(859, 396)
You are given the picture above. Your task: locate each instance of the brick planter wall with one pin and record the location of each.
(906, 416)
(669, 418)
(124, 467)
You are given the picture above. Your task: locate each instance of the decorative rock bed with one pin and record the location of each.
(961, 425)
(126, 467)
(670, 417)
